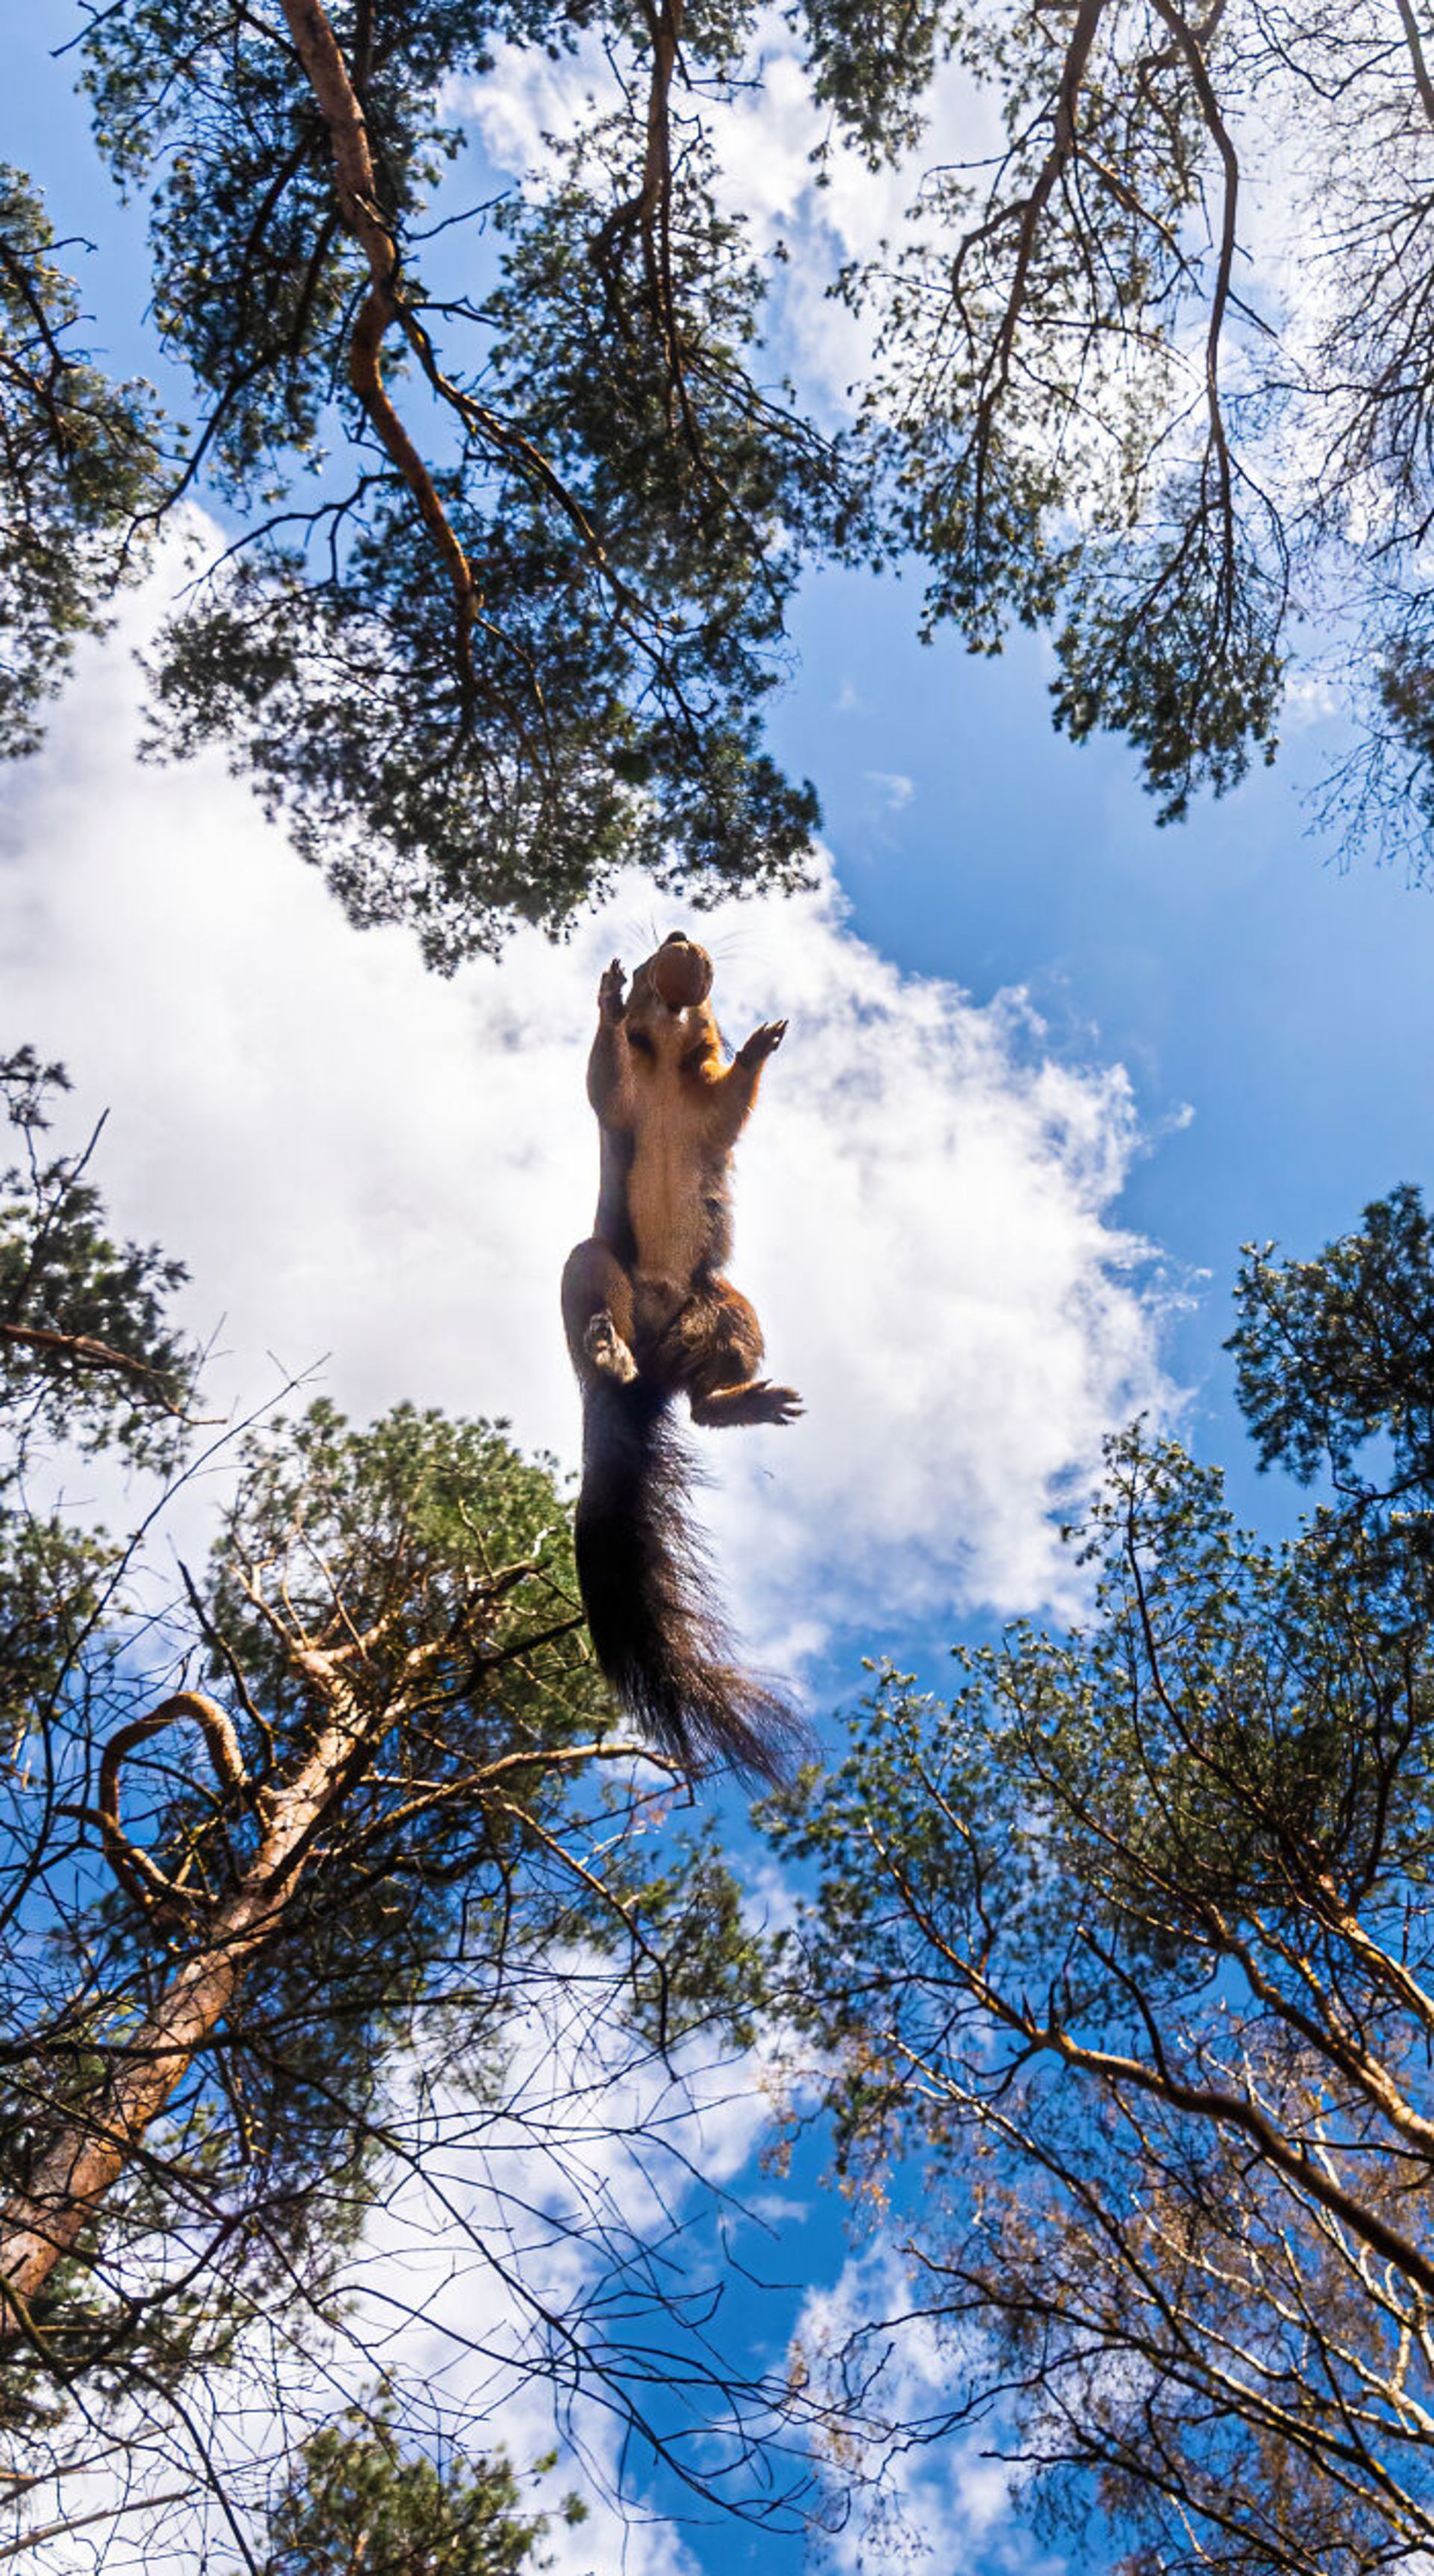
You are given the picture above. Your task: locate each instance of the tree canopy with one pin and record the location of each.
(514, 507)
(79, 467)
(1131, 1944)
(354, 2498)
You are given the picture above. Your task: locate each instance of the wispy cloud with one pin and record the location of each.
(897, 790)
(939, 2497)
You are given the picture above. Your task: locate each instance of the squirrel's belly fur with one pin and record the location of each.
(649, 1316)
(670, 1226)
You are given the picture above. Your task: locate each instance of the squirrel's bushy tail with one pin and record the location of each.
(646, 1588)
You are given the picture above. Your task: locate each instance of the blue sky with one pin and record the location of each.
(1228, 962)
(1270, 1014)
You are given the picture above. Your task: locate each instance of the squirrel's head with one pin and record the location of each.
(679, 975)
(667, 1014)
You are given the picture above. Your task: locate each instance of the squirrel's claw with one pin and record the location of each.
(610, 991)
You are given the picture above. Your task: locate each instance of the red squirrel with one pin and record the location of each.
(649, 1316)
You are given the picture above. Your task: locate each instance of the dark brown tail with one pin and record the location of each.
(646, 1586)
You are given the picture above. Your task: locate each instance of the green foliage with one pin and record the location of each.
(1338, 1352)
(1406, 689)
(1235, 1723)
(873, 65)
(79, 466)
(356, 2499)
(414, 1581)
(1176, 643)
(86, 1352)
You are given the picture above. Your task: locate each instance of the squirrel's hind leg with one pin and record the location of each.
(713, 1348)
(597, 1313)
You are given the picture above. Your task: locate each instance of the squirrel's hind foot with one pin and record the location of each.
(758, 1401)
(608, 1351)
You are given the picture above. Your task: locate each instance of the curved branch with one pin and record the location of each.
(323, 64)
(357, 188)
(1215, 126)
(137, 1873)
(1063, 145)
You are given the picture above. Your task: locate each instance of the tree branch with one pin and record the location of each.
(88, 1353)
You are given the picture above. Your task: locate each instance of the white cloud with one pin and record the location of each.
(925, 1228)
(362, 1162)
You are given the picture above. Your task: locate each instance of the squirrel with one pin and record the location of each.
(649, 1316)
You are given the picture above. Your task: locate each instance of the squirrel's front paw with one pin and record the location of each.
(762, 1043)
(610, 991)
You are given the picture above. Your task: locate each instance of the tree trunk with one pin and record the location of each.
(44, 2224)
